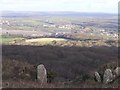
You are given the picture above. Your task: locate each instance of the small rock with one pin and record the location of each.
(97, 76)
(117, 71)
(108, 76)
(41, 74)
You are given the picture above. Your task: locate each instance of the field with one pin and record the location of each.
(9, 39)
(45, 40)
(39, 23)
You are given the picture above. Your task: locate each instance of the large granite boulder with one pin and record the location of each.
(108, 76)
(97, 77)
(41, 74)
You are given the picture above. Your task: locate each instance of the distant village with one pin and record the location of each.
(74, 28)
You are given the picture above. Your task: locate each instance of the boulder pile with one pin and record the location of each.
(108, 76)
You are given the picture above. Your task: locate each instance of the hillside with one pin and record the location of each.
(66, 64)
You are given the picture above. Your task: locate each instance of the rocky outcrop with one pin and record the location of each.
(108, 76)
(41, 74)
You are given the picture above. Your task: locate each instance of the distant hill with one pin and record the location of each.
(33, 13)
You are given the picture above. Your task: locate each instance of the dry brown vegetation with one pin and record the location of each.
(66, 66)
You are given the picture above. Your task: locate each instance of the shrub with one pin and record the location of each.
(51, 75)
(82, 78)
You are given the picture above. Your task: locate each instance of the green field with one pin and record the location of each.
(9, 40)
(37, 41)
(44, 41)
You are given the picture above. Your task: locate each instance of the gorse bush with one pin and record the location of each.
(82, 78)
(50, 76)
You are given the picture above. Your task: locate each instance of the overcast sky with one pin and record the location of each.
(106, 6)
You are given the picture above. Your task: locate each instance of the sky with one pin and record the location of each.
(104, 6)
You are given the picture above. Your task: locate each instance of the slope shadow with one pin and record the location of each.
(66, 62)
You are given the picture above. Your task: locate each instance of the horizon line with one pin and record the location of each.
(59, 11)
